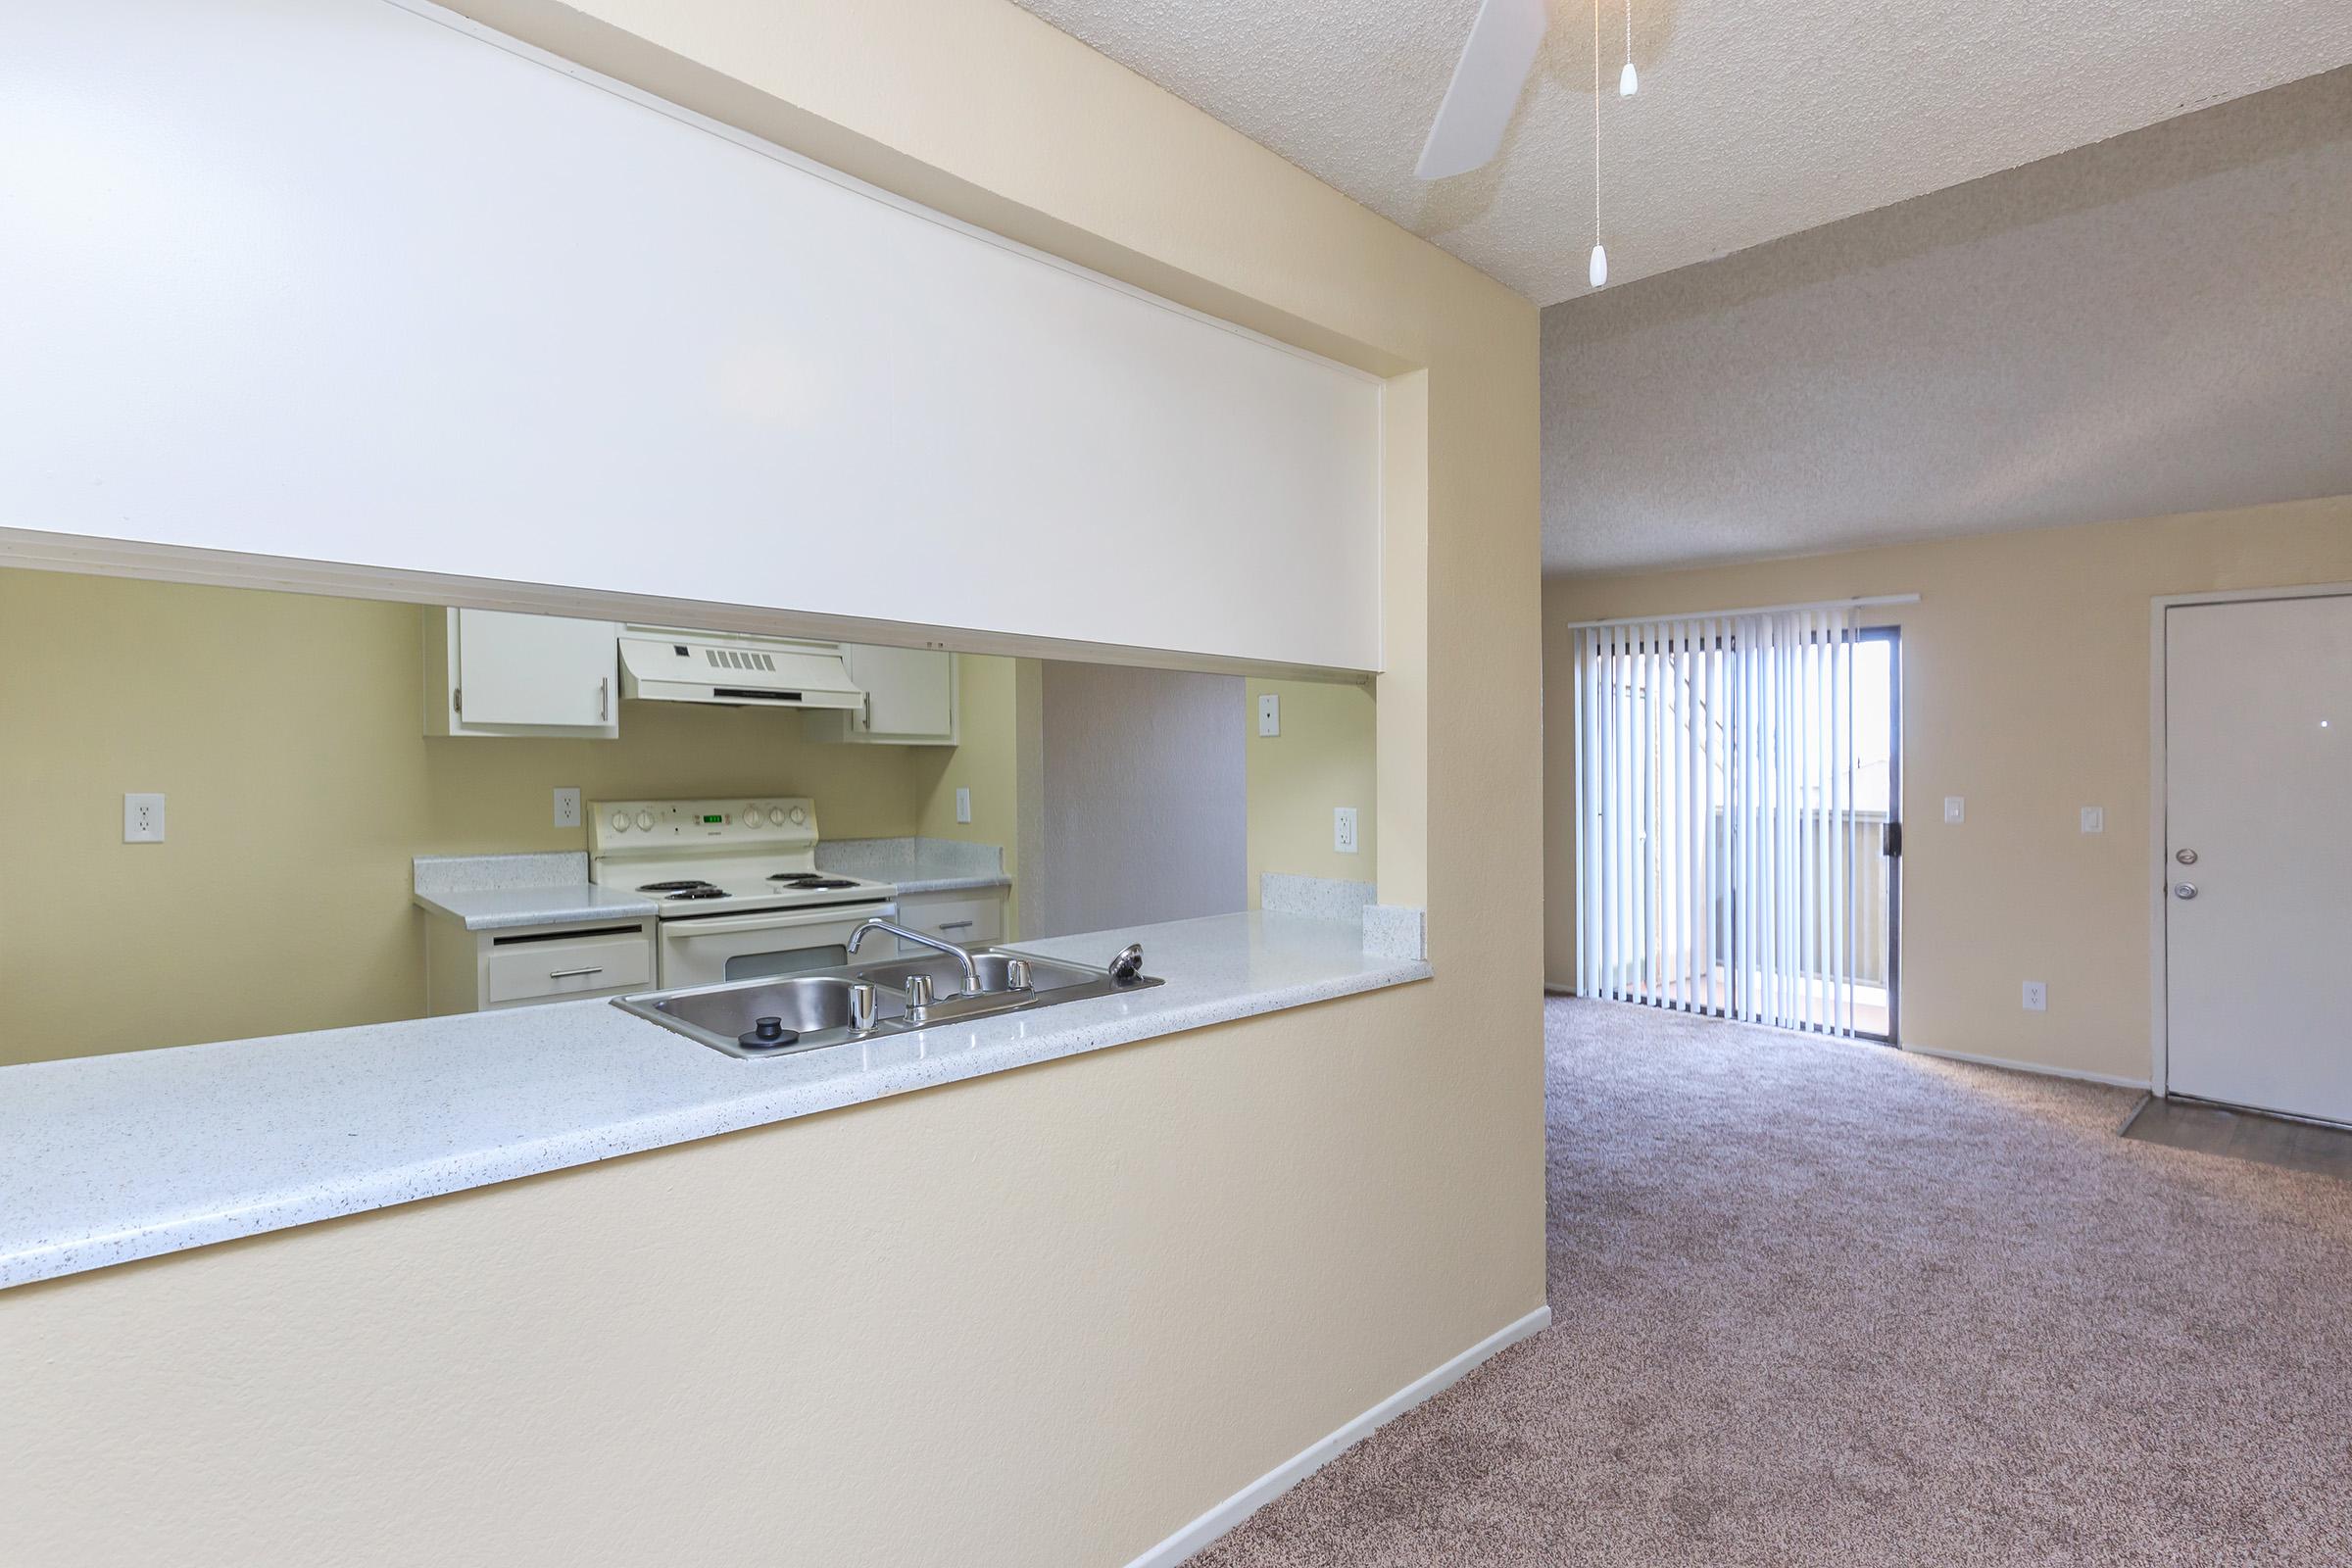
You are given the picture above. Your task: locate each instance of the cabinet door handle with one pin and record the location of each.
(604, 698)
(574, 974)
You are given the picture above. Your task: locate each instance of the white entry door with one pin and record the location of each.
(2257, 752)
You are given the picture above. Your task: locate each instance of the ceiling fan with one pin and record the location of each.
(1495, 63)
(1486, 83)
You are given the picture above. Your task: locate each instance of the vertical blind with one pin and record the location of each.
(1715, 811)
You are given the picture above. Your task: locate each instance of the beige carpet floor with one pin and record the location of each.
(1821, 1304)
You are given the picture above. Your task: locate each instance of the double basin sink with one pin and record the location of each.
(784, 1014)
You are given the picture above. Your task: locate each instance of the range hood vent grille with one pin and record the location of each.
(665, 667)
(738, 658)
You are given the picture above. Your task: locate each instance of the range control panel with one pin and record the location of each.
(784, 823)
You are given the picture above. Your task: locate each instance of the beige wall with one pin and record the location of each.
(983, 764)
(2025, 670)
(1324, 757)
(1045, 1317)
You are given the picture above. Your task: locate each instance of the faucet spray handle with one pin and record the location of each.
(1129, 963)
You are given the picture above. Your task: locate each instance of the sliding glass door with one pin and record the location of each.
(1738, 787)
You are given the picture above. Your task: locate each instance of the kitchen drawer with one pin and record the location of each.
(536, 968)
(954, 918)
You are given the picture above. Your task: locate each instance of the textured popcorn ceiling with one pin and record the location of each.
(2159, 323)
(1754, 121)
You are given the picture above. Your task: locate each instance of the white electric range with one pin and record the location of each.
(735, 884)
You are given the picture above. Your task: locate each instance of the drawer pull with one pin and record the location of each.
(955, 925)
(574, 974)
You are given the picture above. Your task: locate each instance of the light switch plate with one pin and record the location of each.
(1269, 715)
(2094, 819)
(568, 807)
(2037, 997)
(142, 819)
(1343, 829)
(1955, 809)
(964, 805)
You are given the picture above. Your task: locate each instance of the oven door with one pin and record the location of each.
(714, 949)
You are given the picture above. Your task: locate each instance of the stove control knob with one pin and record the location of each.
(645, 819)
(620, 822)
(800, 818)
(751, 816)
(776, 815)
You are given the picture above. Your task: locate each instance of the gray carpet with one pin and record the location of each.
(1820, 1303)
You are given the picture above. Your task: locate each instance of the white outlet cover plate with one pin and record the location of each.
(964, 805)
(2037, 997)
(1343, 829)
(142, 819)
(2094, 819)
(1955, 809)
(1269, 715)
(568, 807)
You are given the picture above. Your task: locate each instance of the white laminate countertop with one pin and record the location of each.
(499, 892)
(501, 908)
(104, 1160)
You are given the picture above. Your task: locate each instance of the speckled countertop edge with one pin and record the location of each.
(115, 1158)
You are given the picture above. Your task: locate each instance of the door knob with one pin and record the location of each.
(2186, 856)
(2184, 890)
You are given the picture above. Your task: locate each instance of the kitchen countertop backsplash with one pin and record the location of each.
(916, 865)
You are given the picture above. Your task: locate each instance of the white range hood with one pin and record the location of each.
(666, 666)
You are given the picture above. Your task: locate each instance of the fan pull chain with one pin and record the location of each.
(1598, 271)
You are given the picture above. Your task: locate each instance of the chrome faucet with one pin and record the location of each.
(971, 970)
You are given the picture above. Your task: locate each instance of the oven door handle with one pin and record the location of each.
(775, 920)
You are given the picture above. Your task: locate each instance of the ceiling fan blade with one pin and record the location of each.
(1477, 106)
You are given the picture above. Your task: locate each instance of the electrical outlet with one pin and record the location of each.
(2037, 997)
(142, 819)
(2094, 819)
(1269, 715)
(1343, 829)
(964, 805)
(1955, 809)
(568, 807)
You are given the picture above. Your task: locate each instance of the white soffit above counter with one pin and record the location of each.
(356, 281)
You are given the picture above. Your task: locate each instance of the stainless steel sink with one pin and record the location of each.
(784, 1015)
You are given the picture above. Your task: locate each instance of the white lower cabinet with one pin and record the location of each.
(912, 699)
(968, 918)
(476, 971)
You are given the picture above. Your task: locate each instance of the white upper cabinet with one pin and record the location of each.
(352, 282)
(488, 672)
(910, 699)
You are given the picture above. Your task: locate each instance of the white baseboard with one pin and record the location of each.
(1197, 1534)
(2119, 1080)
